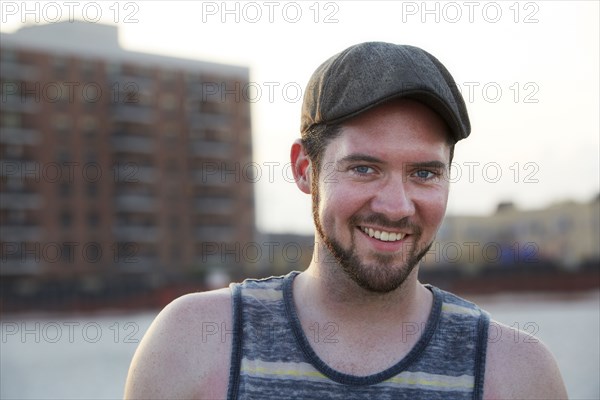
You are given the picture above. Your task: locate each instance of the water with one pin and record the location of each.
(87, 357)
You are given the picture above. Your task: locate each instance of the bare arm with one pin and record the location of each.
(520, 369)
(184, 355)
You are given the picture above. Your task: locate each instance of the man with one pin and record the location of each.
(379, 124)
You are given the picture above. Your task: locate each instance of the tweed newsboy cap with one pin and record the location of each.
(368, 74)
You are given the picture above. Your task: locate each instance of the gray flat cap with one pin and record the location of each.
(368, 74)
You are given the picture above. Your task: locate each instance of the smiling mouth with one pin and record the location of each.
(384, 236)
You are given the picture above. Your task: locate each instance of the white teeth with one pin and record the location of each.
(383, 235)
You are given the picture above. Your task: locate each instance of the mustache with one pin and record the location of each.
(385, 222)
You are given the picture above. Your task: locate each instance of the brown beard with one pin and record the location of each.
(383, 277)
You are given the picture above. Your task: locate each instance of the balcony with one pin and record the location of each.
(214, 177)
(133, 113)
(135, 203)
(136, 234)
(19, 136)
(212, 149)
(133, 144)
(214, 233)
(199, 120)
(18, 266)
(17, 71)
(126, 83)
(214, 205)
(20, 201)
(131, 172)
(19, 103)
(131, 262)
(20, 233)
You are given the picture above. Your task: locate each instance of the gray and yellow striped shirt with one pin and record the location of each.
(272, 357)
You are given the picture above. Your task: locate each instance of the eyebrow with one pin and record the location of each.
(357, 157)
(428, 164)
(360, 157)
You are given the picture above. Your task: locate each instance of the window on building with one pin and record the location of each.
(59, 67)
(15, 217)
(65, 189)
(172, 167)
(175, 255)
(88, 124)
(93, 219)
(11, 120)
(91, 157)
(66, 219)
(93, 251)
(62, 122)
(91, 189)
(67, 252)
(88, 69)
(13, 184)
(13, 151)
(223, 134)
(63, 155)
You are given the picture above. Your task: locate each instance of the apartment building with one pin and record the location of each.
(117, 163)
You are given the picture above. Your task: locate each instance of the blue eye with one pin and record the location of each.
(424, 174)
(362, 169)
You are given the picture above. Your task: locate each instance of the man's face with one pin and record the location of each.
(381, 192)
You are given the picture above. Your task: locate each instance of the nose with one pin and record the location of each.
(393, 199)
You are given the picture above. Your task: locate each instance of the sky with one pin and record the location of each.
(529, 72)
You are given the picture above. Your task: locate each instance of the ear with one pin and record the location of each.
(301, 166)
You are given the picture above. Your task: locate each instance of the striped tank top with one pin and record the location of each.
(272, 357)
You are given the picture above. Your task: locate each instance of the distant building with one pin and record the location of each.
(284, 252)
(116, 162)
(565, 235)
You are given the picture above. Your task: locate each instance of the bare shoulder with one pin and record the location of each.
(520, 366)
(185, 352)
